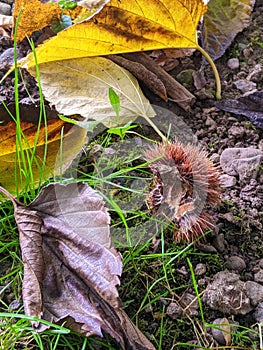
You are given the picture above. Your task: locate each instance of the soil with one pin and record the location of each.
(236, 246)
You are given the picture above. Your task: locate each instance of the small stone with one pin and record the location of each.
(227, 181)
(245, 85)
(258, 314)
(241, 161)
(190, 304)
(5, 9)
(256, 75)
(236, 131)
(210, 122)
(236, 263)
(258, 277)
(219, 242)
(185, 77)
(260, 263)
(233, 63)
(200, 269)
(173, 311)
(14, 305)
(217, 333)
(10, 2)
(227, 294)
(254, 292)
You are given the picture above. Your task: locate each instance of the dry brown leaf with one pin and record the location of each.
(226, 331)
(71, 268)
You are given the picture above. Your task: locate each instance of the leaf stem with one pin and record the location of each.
(155, 128)
(215, 71)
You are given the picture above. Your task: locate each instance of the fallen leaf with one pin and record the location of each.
(83, 89)
(57, 158)
(71, 268)
(126, 26)
(222, 22)
(226, 331)
(33, 15)
(251, 106)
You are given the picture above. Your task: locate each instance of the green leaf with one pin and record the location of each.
(115, 101)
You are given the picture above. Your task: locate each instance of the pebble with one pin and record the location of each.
(173, 311)
(258, 314)
(258, 277)
(10, 2)
(241, 161)
(227, 181)
(14, 305)
(260, 263)
(254, 292)
(227, 294)
(236, 263)
(233, 63)
(200, 269)
(256, 75)
(210, 122)
(5, 9)
(245, 85)
(236, 131)
(219, 242)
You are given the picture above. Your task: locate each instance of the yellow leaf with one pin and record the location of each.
(81, 87)
(59, 152)
(33, 15)
(126, 26)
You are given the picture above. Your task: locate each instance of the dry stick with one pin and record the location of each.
(174, 89)
(141, 72)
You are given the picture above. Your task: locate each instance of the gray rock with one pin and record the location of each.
(260, 263)
(243, 162)
(233, 63)
(258, 314)
(236, 263)
(236, 131)
(227, 181)
(227, 293)
(245, 85)
(254, 292)
(200, 269)
(10, 2)
(219, 242)
(256, 75)
(210, 122)
(5, 9)
(174, 311)
(258, 277)
(190, 304)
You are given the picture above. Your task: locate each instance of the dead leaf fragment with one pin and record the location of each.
(33, 15)
(251, 106)
(71, 268)
(222, 22)
(58, 133)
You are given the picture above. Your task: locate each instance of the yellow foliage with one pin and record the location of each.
(127, 26)
(56, 159)
(34, 16)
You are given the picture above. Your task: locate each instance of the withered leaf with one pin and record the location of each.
(251, 106)
(71, 268)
